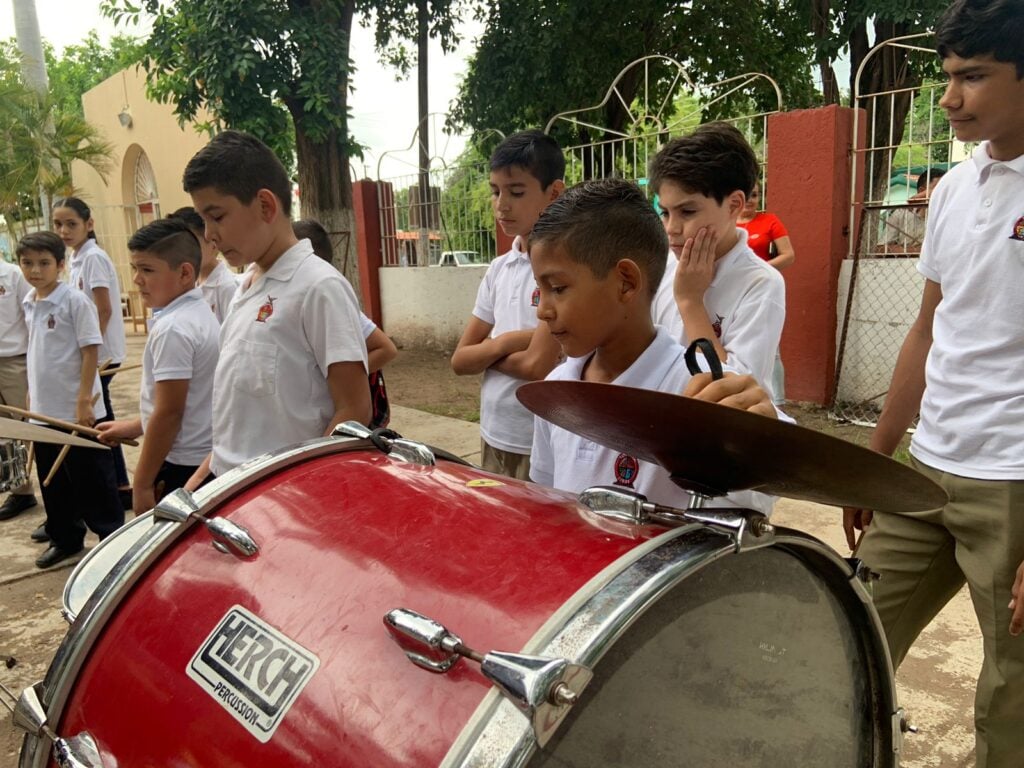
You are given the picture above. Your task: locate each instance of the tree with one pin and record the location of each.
(264, 66)
(532, 61)
(40, 142)
(85, 65)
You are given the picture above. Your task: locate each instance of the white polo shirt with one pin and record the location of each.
(279, 338)
(367, 325)
(972, 412)
(507, 299)
(746, 303)
(562, 459)
(92, 268)
(219, 289)
(183, 344)
(58, 327)
(13, 331)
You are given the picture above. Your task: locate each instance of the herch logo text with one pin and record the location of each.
(252, 670)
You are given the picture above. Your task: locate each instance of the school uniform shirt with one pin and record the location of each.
(746, 303)
(507, 299)
(973, 404)
(219, 289)
(564, 460)
(367, 325)
(13, 331)
(92, 268)
(280, 336)
(58, 327)
(183, 344)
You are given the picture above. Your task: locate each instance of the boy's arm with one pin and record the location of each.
(199, 475)
(380, 350)
(350, 392)
(83, 406)
(169, 397)
(101, 298)
(476, 351)
(536, 361)
(694, 274)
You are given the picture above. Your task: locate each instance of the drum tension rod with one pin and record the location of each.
(542, 688)
(228, 537)
(388, 442)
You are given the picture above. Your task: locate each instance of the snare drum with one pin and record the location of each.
(13, 465)
(704, 649)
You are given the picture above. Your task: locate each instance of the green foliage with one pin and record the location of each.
(81, 67)
(40, 139)
(466, 216)
(533, 62)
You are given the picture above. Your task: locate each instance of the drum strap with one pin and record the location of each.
(708, 350)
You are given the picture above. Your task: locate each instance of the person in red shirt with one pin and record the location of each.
(764, 230)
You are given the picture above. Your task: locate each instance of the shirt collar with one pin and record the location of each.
(193, 294)
(284, 268)
(983, 161)
(56, 297)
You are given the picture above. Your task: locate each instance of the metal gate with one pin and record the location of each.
(880, 289)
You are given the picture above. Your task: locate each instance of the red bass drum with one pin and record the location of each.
(596, 641)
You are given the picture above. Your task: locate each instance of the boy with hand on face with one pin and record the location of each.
(598, 253)
(526, 175)
(714, 286)
(176, 396)
(292, 359)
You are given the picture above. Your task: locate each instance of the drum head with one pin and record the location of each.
(756, 660)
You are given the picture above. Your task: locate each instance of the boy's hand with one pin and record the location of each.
(143, 498)
(734, 391)
(83, 412)
(1017, 603)
(113, 432)
(696, 268)
(855, 519)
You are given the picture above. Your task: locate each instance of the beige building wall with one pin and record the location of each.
(150, 153)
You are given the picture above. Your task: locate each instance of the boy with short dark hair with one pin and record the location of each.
(525, 175)
(598, 253)
(215, 280)
(714, 286)
(176, 396)
(962, 369)
(63, 345)
(292, 360)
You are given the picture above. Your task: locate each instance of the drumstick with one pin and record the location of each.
(64, 451)
(122, 369)
(69, 425)
(104, 364)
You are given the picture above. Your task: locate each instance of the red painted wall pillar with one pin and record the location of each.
(808, 187)
(368, 245)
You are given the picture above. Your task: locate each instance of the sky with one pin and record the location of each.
(384, 110)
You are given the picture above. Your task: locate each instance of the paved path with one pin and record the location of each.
(935, 684)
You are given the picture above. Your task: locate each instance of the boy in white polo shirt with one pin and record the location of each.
(215, 280)
(176, 397)
(598, 253)
(714, 286)
(526, 175)
(13, 375)
(63, 343)
(961, 368)
(292, 359)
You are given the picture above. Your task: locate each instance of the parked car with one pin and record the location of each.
(458, 258)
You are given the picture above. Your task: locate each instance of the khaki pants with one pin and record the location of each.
(925, 558)
(14, 391)
(506, 463)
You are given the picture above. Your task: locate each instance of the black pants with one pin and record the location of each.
(82, 493)
(120, 470)
(171, 477)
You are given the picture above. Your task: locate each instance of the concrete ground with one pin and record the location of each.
(935, 684)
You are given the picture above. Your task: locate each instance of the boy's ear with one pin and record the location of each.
(736, 201)
(269, 204)
(630, 278)
(557, 188)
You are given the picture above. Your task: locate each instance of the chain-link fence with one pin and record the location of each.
(880, 289)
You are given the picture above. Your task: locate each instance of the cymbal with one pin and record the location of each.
(12, 429)
(714, 449)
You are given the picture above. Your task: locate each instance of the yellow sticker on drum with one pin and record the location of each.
(482, 483)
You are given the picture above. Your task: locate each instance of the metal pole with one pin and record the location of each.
(423, 241)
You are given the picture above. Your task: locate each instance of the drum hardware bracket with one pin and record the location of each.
(542, 688)
(74, 752)
(745, 527)
(862, 572)
(389, 443)
(900, 726)
(228, 537)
